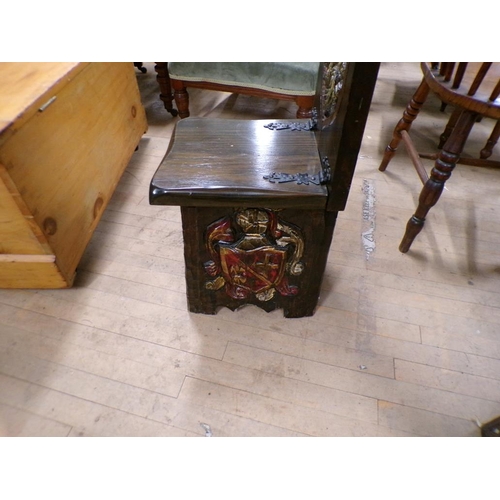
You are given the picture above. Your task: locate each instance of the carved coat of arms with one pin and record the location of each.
(253, 253)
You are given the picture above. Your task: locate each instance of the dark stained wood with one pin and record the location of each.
(222, 162)
(478, 80)
(455, 115)
(449, 71)
(472, 91)
(248, 240)
(495, 92)
(459, 75)
(441, 172)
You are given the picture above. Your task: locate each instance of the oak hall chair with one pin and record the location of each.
(473, 89)
(259, 199)
(276, 80)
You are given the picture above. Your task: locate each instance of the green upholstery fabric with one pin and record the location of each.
(291, 78)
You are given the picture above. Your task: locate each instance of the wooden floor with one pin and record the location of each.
(401, 345)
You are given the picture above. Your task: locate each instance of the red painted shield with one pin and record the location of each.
(254, 270)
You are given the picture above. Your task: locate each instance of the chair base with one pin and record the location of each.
(229, 265)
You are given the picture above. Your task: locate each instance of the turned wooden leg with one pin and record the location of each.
(163, 79)
(181, 98)
(495, 135)
(449, 127)
(405, 123)
(441, 172)
(198, 300)
(305, 104)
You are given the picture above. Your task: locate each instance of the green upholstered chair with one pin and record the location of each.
(292, 81)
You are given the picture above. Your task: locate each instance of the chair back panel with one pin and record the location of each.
(344, 96)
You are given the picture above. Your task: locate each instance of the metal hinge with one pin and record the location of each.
(322, 177)
(311, 124)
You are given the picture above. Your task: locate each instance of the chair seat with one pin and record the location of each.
(293, 78)
(213, 162)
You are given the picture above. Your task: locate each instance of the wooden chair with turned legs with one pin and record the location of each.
(473, 88)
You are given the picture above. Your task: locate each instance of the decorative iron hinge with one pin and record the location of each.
(311, 124)
(322, 177)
